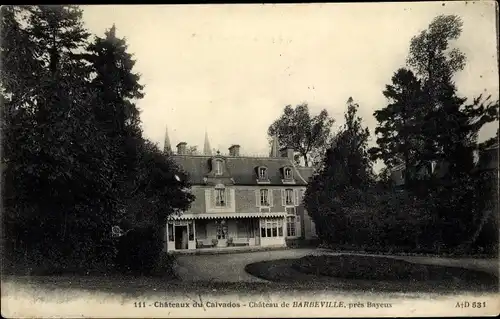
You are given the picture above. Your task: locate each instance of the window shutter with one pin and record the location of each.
(271, 197)
(214, 198)
(298, 227)
(233, 197)
(283, 197)
(227, 192)
(208, 198)
(257, 198)
(296, 195)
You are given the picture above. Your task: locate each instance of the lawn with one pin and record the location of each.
(352, 272)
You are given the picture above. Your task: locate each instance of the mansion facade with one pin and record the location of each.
(240, 201)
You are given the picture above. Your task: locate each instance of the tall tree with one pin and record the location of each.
(57, 180)
(399, 136)
(151, 187)
(116, 83)
(449, 121)
(430, 54)
(306, 134)
(446, 130)
(340, 187)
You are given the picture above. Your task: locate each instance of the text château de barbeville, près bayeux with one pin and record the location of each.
(263, 304)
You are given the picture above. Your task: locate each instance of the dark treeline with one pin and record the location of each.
(74, 162)
(448, 203)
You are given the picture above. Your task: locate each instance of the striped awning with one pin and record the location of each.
(228, 215)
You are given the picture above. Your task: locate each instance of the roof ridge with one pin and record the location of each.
(232, 157)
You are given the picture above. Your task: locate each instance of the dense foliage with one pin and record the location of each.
(430, 132)
(307, 135)
(73, 156)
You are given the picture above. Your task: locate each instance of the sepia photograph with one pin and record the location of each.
(250, 160)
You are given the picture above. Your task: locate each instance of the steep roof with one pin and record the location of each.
(306, 173)
(241, 168)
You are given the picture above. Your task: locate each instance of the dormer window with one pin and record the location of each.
(288, 173)
(262, 173)
(218, 167)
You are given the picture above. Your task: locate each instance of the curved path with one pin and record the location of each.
(231, 267)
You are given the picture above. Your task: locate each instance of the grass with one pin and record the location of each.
(408, 251)
(351, 272)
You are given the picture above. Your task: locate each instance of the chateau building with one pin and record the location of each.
(240, 200)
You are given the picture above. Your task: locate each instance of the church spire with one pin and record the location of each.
(206, 147)
(274, 147)
(166, 144)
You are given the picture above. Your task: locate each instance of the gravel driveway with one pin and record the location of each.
(231, 267)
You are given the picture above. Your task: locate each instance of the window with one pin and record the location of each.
(218, 167)
(262, 173)
(288, 173)
(290, 226)
(271, 228)
(264, 197)
(289, 196)
(220, 197)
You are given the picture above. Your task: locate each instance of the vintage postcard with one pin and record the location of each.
(250, 160)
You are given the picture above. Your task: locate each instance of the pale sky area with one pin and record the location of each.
(231, 69)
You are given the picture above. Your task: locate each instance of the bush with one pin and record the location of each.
(381, 268)
(139, 251)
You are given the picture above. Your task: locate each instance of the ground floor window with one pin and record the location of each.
(271, 228)
(290, 226)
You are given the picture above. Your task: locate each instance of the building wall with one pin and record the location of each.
(198, 205)
(244, 199)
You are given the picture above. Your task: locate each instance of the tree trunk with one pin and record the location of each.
(306, 162)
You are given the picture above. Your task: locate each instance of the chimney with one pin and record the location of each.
(234, 150)
(287, 152)
(181, 148)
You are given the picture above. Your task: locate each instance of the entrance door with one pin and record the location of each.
(181, 237)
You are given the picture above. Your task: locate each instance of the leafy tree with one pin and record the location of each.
(308, 135)
(145, 177)
(57, 180)
(450, 124)
(430, 54)
(339, 191)
(443, 130)
(192, 150)
(74, 160)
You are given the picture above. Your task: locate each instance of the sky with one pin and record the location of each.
(230, 70)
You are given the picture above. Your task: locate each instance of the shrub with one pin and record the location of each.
(139, 251)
